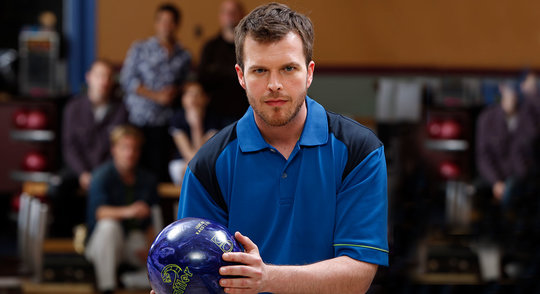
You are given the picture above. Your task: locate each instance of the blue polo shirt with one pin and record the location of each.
(328, 199)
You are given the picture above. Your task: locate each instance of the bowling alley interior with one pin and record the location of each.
(449, 87)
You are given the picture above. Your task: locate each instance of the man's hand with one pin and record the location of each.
(194, 117)
(253, 270)
(84, 180)
(139, 209)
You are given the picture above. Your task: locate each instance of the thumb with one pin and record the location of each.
(249, 246)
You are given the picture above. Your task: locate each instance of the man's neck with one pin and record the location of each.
(284, 138)
(127, 175)
(167, 42)
(97, 102)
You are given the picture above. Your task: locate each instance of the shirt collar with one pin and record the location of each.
(315, 130)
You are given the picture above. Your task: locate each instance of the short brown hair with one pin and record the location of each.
(270, 23)
(173, 10)
(122, 131)
(103, 61)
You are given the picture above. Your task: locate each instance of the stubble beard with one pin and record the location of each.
(283, 120)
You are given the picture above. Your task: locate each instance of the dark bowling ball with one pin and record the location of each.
(186, 256)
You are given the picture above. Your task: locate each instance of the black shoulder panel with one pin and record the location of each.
(360, 140)
(203, 164)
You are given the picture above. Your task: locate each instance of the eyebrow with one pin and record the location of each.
(294, 64)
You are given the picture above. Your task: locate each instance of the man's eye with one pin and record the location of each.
(259, 70)
(289, 68)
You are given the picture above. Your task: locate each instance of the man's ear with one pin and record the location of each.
(310, 70)
(240, 75)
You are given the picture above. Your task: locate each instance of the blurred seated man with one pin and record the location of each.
(152, 74)
(503, 143)
(190, 128)
(216, 68)
(504, 159)
(87, 121)
(119, 206)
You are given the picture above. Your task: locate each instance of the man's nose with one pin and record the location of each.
(274, 82)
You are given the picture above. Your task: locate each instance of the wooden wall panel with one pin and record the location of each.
(461, 34)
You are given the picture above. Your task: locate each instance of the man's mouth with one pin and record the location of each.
(275, 102)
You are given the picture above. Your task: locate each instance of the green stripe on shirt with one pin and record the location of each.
(363, 246)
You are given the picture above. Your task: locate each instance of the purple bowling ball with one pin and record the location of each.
(186, 256)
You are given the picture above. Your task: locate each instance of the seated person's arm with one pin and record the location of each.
(184, 145)
(485, 161)
(73, 151)
(164, 96)
(138, 210)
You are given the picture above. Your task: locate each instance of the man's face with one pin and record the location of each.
(229, 14)
(126, 153)
(194, 97)
(99, 80)
(528, 86)
(509, 99)
(275, 78)
(164, 25)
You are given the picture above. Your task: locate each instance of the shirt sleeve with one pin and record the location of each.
(362, 212)
(195, 201)
(484, 159)
(73, 155)
(129, 76)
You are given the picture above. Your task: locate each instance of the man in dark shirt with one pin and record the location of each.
(86, 124)
(119, 208)
(504, 141)
(216, 69)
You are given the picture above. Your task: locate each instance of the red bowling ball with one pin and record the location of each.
(434, 129)
(450, 129)
(20, 118)
(34, 161)
(37, 120)
(449, 170)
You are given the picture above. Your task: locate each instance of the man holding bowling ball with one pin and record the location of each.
(305, 187)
